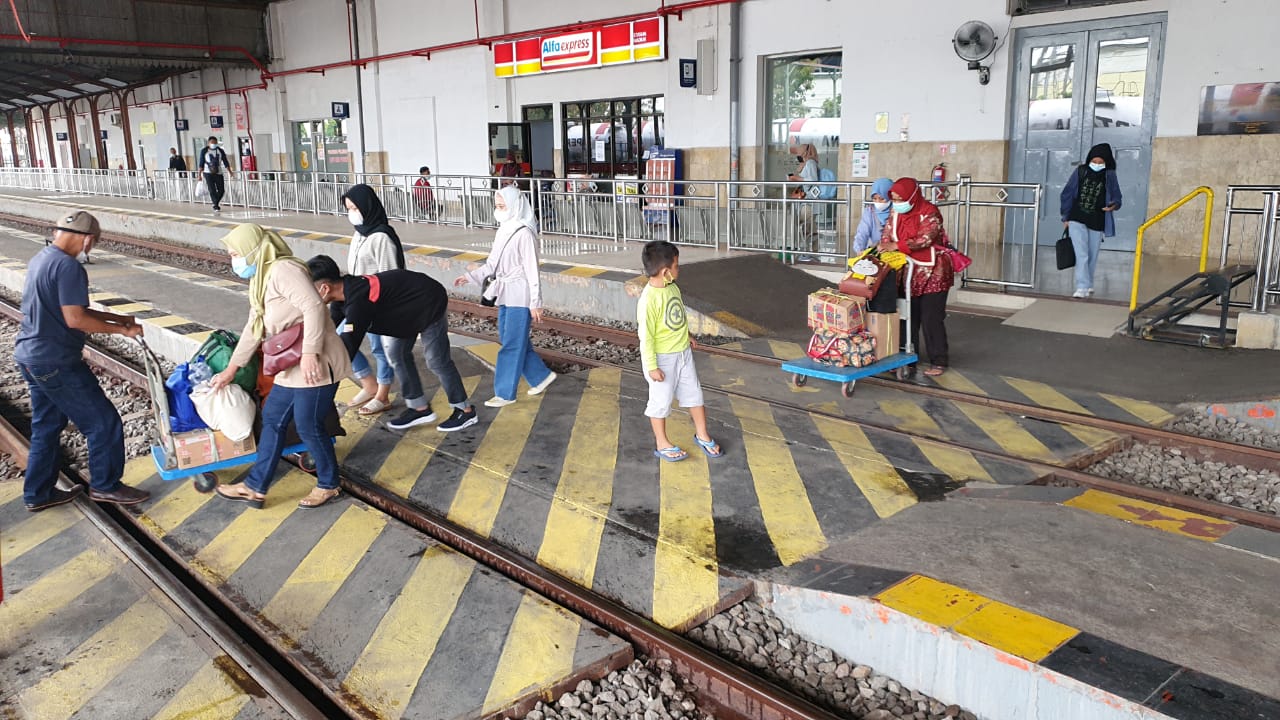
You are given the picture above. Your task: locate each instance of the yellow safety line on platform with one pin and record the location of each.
(45, 598)
(479, 496)
(686, 569)
(783, 350)
(737, 323)
(911, 418)
(953, 462)
(92, 666)
(223, 555)
(487, 353)
(208, 695)
(1149, 413)
(174, 509)
(134, 307)
(1047, 396)
(10, 490)
(784, 501)
(580, 507)
(391, 665)
(538, 652)
(1004, 627)
(872, 472)
(954, 381)
(585, 272)
(27, 534)
(407, 461)
(1008, 434)
(1159, 517)
(167, 321)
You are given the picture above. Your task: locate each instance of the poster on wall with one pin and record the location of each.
(1241, 109)
(242, 120)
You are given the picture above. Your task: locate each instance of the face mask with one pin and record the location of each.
(1097, 167)
(242, 267)
(880, 206)
(83, 257)
(355, 217)
(502, 215)
(213, 146)
(901, 207)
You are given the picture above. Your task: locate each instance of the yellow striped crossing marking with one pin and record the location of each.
(1008, 434)
(46, 597)
(166, 321)
(241, 537)
(10, 490)
(912, 418)
(388, 669)
(180, 504)
(586, 272)
(1160, 517)
(956, 382)
(1047, 396)
(209, 695)
(409, 458)
(686, 568)
(585, 491)
(130, 308)
(479, 496)
(486, 352)
(19, 539)
(92, 666)
(872, 472)
(953, 462)
(783, 350)
(539, 651)
(1149, 413)
(784, 501)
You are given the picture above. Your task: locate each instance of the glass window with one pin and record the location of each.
(572, 110)
(613, 137)
(804, 106)
(1052, 81)
(1122, 82)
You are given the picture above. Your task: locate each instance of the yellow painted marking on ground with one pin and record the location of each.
(166, 321)
(130, 308)
(45, 598)
(732, 346)
(316, 236)
(208, 695)
(10, 490)
(171, 511)
(486, 352)
(912, 418)
(239, 539)
(1149, 413)
(321, 573)
(1139, 512)
(784, 501)
(871, 471)
(92, 666)
(686, 578)
(388, 669)
(538, 652)
(586, 272)
(200, 335)
(100, 296)
(957, 464)
(409, 458)
(476, 503)
(356, 426)
(956, 382)
(225, 283)
(1047, 396)
(420, 250)
(470, 256)
(339, 239)
(932, 600)
(581, 505)
(189, 275)
(138, 470)
(737, 323)
(1008, 434)
(1017, 632)
(27, 534)
(783, 350)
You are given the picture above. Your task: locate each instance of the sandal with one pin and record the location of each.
(671, 454)
(361, 398)
(936, 370)
(710, 447)
(373, 407)
(318, 497)
(239, 492)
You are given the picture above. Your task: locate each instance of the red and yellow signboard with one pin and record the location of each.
(614, 44)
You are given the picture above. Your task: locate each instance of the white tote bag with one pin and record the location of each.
(228, 409)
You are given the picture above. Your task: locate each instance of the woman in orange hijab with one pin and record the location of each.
(915, 227)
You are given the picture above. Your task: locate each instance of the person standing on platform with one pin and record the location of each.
(55, 318)
(1089, 198)
(874, 216)
(213, 164)
(423, 194)
(509, 277)
(915, 228)
(177, 163)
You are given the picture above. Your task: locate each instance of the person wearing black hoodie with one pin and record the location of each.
(1089, 198)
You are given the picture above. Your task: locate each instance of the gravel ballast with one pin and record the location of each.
(647, 689)
(1170, 469)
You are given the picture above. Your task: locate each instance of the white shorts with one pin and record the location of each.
(681, 384)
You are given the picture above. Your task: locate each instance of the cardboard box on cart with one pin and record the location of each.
(886, 329)
(832, 311)
(203, 447)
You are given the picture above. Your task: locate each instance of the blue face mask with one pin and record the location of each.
(1097, 167)
(241, 267)
(902, 207)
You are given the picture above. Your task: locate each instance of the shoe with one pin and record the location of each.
(409, 418)
(373, 407)
(1080, 294)
(318, 497)
(123, 495)
(361, 398)
(1090, 292)
(58, 497)
(458, 420)
(497, 402)
(537, 389)
(239, 492)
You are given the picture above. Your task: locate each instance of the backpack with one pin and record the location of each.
(217, 352)
(827, 192)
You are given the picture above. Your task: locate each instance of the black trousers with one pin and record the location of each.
(929, 311)
(217, 187)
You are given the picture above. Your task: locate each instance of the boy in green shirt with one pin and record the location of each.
(666, 352)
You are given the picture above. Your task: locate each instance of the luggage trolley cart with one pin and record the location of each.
(806, 367)
(202, 476)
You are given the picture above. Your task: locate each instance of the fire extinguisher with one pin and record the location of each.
(939, 176)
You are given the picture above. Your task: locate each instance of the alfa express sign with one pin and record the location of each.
(606, 44)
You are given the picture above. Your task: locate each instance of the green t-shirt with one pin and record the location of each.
(663, 327)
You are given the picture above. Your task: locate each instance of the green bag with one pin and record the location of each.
(217, 352)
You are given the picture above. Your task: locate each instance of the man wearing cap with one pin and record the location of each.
(55, 318)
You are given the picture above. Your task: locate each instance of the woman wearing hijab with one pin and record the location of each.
(1089, 198)
(375, 247)
(513, 266)
(281, 295)
(806, 213)
(915, 228)
(874, 216)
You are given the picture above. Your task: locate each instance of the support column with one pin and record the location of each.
(69, 109)
(13, 138)
(48, 134)
(31, 137)
(128, 131)
(101, 147)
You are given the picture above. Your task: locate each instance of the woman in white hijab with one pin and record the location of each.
(512, 266)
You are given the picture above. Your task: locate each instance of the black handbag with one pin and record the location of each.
(485, 300)
(1066, 251)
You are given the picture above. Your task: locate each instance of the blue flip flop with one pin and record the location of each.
(710, 447)
(671, 454)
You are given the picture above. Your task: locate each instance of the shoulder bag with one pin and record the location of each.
(282, 350)
(1066, 251)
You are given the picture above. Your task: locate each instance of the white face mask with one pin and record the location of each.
(880, 206)
(501, 215)
(355, 217)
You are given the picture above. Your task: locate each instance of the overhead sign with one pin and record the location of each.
(592, 46)
(341, 110)
(215, 121)
(61, 136)
(147, 128)
(180, 125)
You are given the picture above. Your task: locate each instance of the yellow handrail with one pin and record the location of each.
(1204, 243)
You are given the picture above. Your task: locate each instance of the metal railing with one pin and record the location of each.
(1204, 190)
(77, 181)
(1248, 227)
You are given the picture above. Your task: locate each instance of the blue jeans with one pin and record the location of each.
(307, 407)
(435, 349)
(1087, 243)
(516, 358)
(59, 393)
(360, 366)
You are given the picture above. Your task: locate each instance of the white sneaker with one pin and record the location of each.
(497, 402)
(537, 389)
(1090, 291)
(1080, 294)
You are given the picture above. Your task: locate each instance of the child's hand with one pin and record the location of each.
(657, 375)
(693, 341)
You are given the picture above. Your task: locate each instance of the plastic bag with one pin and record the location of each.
(183, 415)
(201, 190)
(228, 409)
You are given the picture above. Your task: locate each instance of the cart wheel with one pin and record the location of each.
(799, 380)
(205, 482)
(847, 389)
(901, 374)
(306, 463)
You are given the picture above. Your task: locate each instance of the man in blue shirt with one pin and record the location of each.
(55, 318)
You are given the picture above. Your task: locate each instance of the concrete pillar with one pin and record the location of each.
(128, 131)
(101, 147)
(48, 134)
(13, 138)
(31, 137)
(69, 109)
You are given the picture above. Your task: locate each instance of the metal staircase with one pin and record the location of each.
(1164, 317)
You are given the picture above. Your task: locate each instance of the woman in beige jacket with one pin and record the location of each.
(280, 296)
